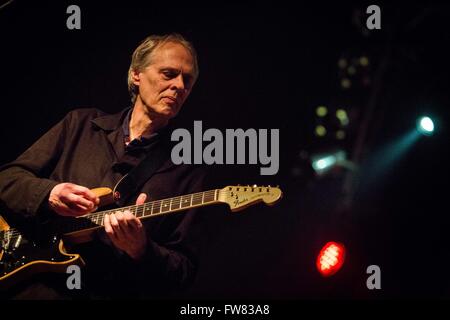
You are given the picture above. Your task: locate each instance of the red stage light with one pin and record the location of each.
(330, 258)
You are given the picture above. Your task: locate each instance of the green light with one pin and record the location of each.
(346, 83)
(320, 131)
(364, 61)
(341, 114)
(425, 126)
(321, 111)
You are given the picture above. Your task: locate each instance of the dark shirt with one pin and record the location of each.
(87, 148)
(137, 142)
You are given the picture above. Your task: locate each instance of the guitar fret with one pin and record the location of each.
(196, 199)
(165, 205)
(209, 197)
(156, 207)
(185, 202)
(139, 212)
(148, 209)
(176, 203)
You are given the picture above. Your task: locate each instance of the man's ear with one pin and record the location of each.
(135, 77)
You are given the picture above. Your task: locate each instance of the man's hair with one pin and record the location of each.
(142, 56)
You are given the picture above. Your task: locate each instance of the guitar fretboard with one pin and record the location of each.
(146, 210)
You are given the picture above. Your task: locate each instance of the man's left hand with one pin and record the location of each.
(127, 232)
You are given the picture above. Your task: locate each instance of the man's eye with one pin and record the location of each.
(169, 74)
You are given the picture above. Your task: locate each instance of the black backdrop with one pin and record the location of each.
(264, 65)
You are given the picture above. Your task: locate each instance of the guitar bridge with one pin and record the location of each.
(5, 237)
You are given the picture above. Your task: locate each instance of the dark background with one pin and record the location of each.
(269, 65)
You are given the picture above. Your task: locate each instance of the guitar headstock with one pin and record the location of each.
(241, 197)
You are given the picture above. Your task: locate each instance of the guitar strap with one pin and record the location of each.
(141, 173)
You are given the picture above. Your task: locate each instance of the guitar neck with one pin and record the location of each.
(237, 197)
(143, 211)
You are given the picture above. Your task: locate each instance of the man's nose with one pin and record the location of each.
(179, 83)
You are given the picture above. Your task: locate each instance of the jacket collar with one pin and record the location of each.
(111, 122)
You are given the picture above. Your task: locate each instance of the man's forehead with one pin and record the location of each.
(170, 52)
(172, 56)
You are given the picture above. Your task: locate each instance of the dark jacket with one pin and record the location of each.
(87, 148)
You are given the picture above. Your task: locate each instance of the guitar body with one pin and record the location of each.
(21, 258)
(22, 255)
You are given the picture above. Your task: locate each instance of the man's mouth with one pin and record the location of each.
(171, 99)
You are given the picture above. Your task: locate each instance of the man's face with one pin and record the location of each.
(165, 84)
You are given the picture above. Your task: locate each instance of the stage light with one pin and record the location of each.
(340, 134)
(346, 83)
(425, 126)
(341, 114)
(342, 63)
(320, 131)
(331, 258)
(351, 70)
(364, 61)
(324, 162)
(321, 111)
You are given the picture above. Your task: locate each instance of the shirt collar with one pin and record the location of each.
(143, 140)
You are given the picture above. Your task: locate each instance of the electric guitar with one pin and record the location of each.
(23, 254)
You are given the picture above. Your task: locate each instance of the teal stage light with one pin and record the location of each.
(425, 126)
(322, 163)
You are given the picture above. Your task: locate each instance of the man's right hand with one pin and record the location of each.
(68, 199)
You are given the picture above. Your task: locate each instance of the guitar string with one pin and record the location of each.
(137, 208)
(13, 232)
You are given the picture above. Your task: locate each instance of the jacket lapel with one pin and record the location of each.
(111, 125)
